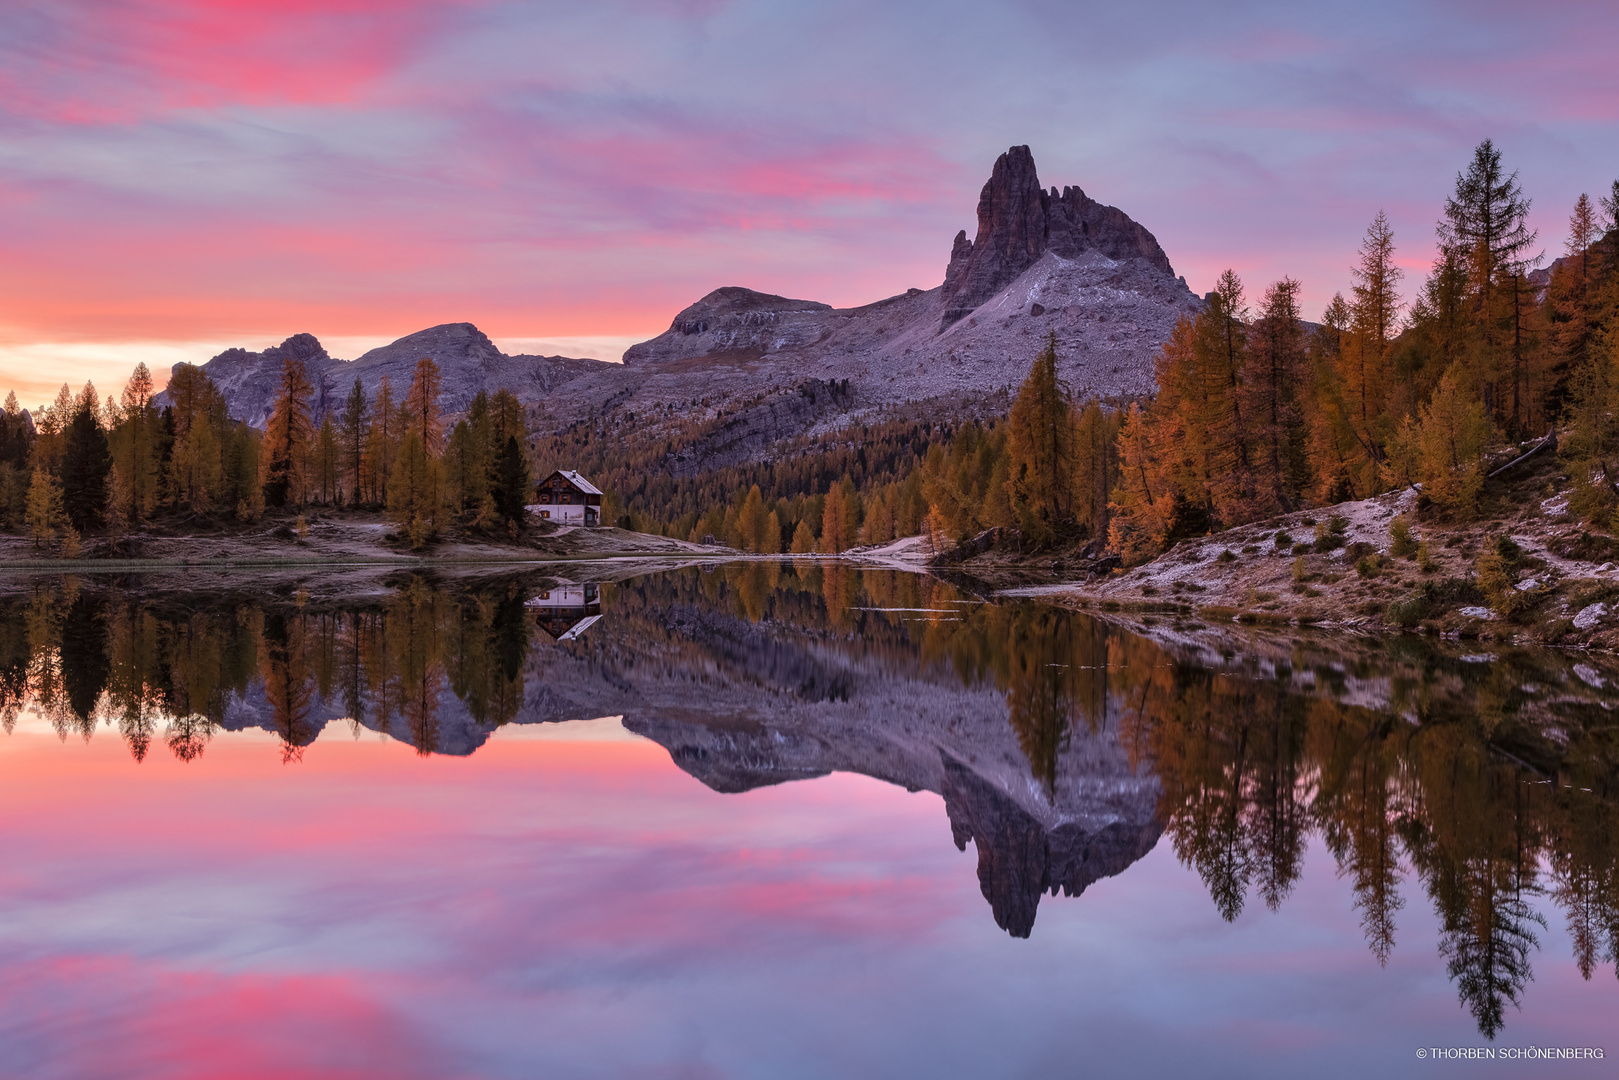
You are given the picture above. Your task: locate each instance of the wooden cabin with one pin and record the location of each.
(567, 498)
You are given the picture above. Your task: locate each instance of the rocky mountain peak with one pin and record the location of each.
(732, 319)
(305, 348)
(1019, 221)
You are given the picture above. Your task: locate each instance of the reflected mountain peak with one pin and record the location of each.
(1062, 746)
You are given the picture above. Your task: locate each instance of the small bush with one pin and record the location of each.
(1558, 631)
(1368, 565)
(301, 527)
(1326, 542)
(1226, 556)
(1454, 590)
(1251, 549)
(1425, 561)
(1410, 612)
(1301, 549)
(1402, 545)
(1299, 573)
(1495, 581)
(1339, 524)
(1148, 590)
(1283, 540)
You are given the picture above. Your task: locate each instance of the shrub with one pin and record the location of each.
(1495, 581)
(1226, 556)
(1301, 549)
(1368, 565)
(1283, 540)
(1409, 612)
(1402, 545)
(1454, 590)
(1299, 574)
(1425, 561)
(1326, 542)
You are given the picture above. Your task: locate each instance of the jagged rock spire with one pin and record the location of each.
(1018, 222)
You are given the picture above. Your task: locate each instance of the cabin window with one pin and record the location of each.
(567, 498)
(545, 513)
(546, 497)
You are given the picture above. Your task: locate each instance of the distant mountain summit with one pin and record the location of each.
(1019, 221)
(466, 357)
(1043, 261)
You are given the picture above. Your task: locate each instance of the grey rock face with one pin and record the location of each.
(1018, 222)
(1043, 262)
(1019, 858)
(468, 363)
(250, 380)
(733, 320)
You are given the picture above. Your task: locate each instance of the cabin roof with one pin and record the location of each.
(576, 480)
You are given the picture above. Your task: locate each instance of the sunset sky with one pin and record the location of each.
(177, 176)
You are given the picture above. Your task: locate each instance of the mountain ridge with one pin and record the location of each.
(1043, 263)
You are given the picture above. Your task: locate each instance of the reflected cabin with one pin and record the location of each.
(568, 499)
(566, 611)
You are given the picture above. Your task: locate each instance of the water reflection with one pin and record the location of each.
(1063, 747)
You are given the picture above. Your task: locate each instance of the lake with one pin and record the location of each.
(783, 820)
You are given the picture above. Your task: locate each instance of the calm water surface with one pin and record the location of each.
(782, 821)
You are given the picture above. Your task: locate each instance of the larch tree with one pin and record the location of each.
(803, 538)
(1142, 508)
(382, 443)
(1273, 376)
(135, 470)
(326, 462)
(773, 533)
(751, 521)
(1096, 435)
(1574, 302)
(420, 409)
(356, 427)
(1485, 228)
(835, 535)
(1374, 323)
(415, 490)
(514, 483)
(51, 429)
(1220, 427)
(45, 514)
(287, 439)
(198, 469)
(1444, 446)
(86, 462)
(1040, 452)
(510, 474)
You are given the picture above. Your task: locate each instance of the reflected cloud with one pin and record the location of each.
(1062, 746)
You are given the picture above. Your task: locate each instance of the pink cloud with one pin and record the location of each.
(114, 63)
(129, 1017)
